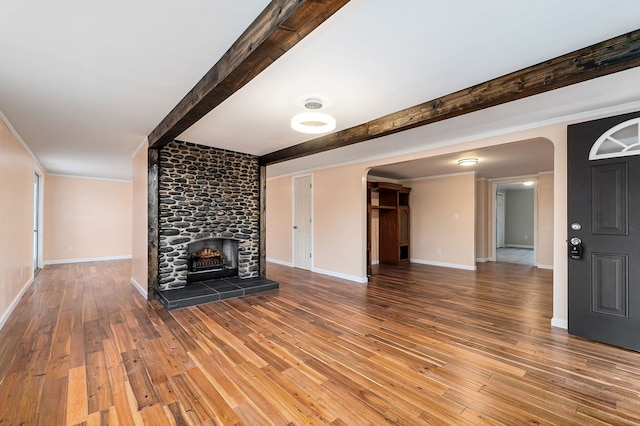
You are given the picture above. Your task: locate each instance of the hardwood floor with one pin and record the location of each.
(417, 345)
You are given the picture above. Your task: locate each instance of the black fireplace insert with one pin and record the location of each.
(211, 258)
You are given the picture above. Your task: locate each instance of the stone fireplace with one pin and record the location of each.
(207, 197)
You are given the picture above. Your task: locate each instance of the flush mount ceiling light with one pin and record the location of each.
(528, 183)
(467, 161)
(313, 122)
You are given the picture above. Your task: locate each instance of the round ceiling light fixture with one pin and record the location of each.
(313, 122)
(467, 161)
(313, 103)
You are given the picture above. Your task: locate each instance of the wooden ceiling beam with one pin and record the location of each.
(281, 25)
(608, 57)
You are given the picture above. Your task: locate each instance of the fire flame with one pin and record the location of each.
(209, 254)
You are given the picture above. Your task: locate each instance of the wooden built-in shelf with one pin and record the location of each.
(393, 222)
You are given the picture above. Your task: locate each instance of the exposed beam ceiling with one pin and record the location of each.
(277, 29)
(601, 59)
(116, 69)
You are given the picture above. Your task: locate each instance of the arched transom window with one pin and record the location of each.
(619, 141)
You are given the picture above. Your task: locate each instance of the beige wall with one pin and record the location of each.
(482, 236)
(443, 220)
(339, 213)
(86, 219)
(17, 169)
(544, 231)
(139, 243)
(279, 220)
(339, 218)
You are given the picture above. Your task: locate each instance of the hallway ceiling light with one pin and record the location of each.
(467, 161)
(528, 183)
(313, 122)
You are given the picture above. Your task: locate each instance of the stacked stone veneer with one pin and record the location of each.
(206, 192)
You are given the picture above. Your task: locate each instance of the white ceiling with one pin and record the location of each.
(493, 162)
(84, 82)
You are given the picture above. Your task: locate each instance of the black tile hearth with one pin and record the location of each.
(214, 290)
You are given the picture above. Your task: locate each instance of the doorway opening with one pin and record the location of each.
(532, 159)
(515, 220)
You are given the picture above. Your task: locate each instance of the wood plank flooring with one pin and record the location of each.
(417, 345)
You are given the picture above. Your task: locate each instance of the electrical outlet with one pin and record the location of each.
(439, 252)
(70, 249)
(526, 237)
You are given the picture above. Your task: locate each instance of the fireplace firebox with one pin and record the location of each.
(211, 258)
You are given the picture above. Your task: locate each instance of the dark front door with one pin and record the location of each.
(604, 214)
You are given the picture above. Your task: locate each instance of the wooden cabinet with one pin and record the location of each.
(394, 222)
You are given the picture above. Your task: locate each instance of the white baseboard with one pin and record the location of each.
(518, 246)
(86, 259)
(280, 262)
(559, 323)
(142, 290)
(444, 264)
(376, 262)
(545, 266)
(482, 259)
(6, 314)
(361, 280)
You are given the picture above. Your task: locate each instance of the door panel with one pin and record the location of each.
(610, 199)
(604, 200)
(302, 222)
(609, 285)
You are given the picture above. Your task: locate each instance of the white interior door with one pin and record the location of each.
(36, 220)
(302, 193)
